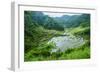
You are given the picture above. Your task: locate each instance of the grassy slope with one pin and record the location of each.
(40, 48)
(76, 30)
(42, 52)
(83, 51)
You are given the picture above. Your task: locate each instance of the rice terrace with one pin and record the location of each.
(56, 36)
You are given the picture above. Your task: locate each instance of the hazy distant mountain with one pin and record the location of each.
(65, 21)
(72, 21)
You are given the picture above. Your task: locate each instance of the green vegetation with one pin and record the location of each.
(43, 53)
(40, 28)
(82, 52)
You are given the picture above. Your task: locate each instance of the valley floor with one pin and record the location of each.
(41, 51)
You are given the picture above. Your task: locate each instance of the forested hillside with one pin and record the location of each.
(41, 28)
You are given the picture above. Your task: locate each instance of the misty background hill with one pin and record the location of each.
(65, 21)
